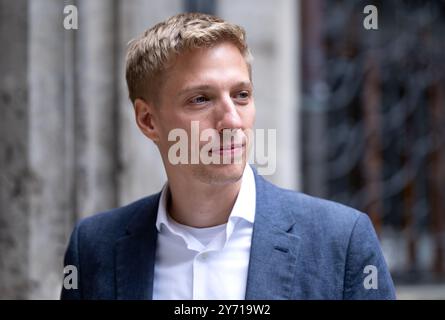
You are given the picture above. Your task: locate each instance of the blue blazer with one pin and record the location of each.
(302, 248)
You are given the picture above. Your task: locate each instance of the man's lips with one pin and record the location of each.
(229, 148)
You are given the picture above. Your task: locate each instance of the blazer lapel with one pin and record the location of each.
(135, 254)
(274, 248)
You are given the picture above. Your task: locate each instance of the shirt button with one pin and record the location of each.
(204, 256)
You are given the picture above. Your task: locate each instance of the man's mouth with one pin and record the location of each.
(229, 149)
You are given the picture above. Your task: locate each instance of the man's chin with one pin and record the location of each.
(219, 173)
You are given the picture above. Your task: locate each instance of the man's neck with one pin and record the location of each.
(201, 205)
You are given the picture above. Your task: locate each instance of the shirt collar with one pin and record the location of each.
(244, 207)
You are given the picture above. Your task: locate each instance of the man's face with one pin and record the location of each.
(211, 86)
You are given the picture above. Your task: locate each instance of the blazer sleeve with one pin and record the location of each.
(72, 291)
(366, 275)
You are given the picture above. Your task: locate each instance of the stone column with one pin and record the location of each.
(48, 143)
(14, 131)
(95, 111)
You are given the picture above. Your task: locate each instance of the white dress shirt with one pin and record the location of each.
(205, 263)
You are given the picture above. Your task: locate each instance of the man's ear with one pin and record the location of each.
(146, 119)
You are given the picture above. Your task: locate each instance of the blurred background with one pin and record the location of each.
(359, 114)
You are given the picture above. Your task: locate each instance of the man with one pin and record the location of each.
(217, 230)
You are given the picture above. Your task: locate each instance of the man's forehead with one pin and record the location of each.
(215, 56)
(201, 69)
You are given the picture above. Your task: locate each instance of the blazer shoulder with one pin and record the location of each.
(328, 210)
(303, 207)
(113, 223)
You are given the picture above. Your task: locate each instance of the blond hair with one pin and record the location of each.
(151, 54)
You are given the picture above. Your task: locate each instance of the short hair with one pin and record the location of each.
(151, 53)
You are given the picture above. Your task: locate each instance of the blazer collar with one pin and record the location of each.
(135, 253)
(274, 248)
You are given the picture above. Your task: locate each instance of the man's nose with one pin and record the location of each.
(228, 116)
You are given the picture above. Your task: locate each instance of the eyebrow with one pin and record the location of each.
(207, 87)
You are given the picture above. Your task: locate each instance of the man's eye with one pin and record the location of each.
(243, 95)
(199, 100)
